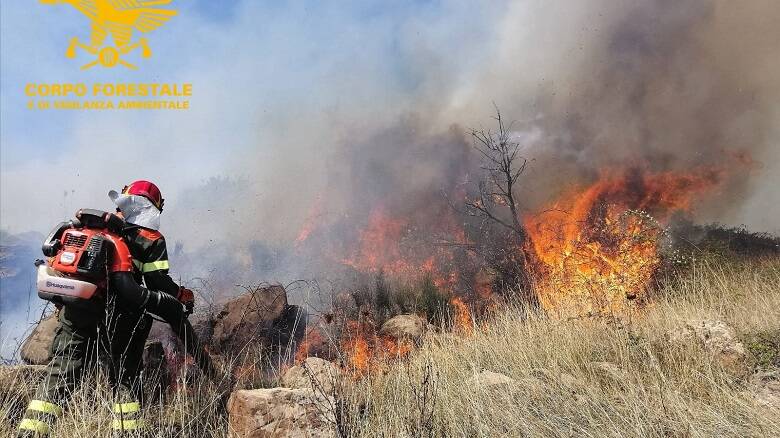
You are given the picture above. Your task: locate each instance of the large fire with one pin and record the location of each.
(592, 251)
(596, 248)
(405, 252)
(394, 246)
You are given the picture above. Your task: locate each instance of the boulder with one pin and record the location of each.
(324, 373)
(719, 339)
(203, 325)
(22, 375)
(491, 380)
(279, 412)
(607, 374)
(404, 327)
(560, 379)
(36, 349)
(166, 362)
(764, 387)
(289, 330)
(249, 319)
(504, 389)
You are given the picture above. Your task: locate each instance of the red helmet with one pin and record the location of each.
(146, 189)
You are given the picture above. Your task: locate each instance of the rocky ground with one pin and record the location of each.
(703, 360)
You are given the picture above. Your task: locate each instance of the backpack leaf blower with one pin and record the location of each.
(89, 258)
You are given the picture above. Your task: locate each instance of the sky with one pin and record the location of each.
(279, 87)
(262, 72)
(275, 86)
(296, 102)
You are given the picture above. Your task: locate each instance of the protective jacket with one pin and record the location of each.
(150, 258)
(111, 325)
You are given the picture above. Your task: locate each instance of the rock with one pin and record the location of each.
(249, 318)
(161, 333)
(36, 349)
(561, 379)
(502, 387)
(719, 339)
(289, 329)
(165, 360)
(25, 375)
(203, 325)
(765, 388)
(490, 380)
(609, 374)
(279, 412)
(409, 327)
(325, 374)
(154, 356)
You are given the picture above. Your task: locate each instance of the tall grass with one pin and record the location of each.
(648, 386)
(586, 377)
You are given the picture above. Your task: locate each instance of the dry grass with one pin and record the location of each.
(193, 412)
(654, 388)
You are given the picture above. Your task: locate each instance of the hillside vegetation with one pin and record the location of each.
(632, 376)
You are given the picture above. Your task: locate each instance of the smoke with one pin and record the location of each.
(328, 115)
(666, 85)
(674, 86)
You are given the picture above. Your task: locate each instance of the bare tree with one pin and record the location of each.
(503, 166)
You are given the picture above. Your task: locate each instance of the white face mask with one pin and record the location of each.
(137, 210)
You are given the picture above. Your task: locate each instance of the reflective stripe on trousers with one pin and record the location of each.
(36, 426)
(39, 417)
(128, 414)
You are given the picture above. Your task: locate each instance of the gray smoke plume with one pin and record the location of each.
(666, 85)
(381, 115)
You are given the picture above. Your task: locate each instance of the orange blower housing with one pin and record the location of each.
(81, 253)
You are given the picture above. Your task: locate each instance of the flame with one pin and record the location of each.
(365, 351)
(388, 244)
(311, 222)
(596, 247)
(462, 321)
(358, 354)
(380, 246)
(312, 340)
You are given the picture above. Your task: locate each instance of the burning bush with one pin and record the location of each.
(596, 248)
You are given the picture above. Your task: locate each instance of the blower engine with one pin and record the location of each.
(78, 252)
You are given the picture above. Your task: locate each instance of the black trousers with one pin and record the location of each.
(92, 333)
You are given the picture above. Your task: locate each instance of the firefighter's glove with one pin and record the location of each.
(187, 298)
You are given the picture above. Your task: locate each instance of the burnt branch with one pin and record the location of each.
(504, 166)
(421, 419)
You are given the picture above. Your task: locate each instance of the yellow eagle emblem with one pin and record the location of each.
(119, 18)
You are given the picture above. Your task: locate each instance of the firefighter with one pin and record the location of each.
(116, 323)
(141, 203)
